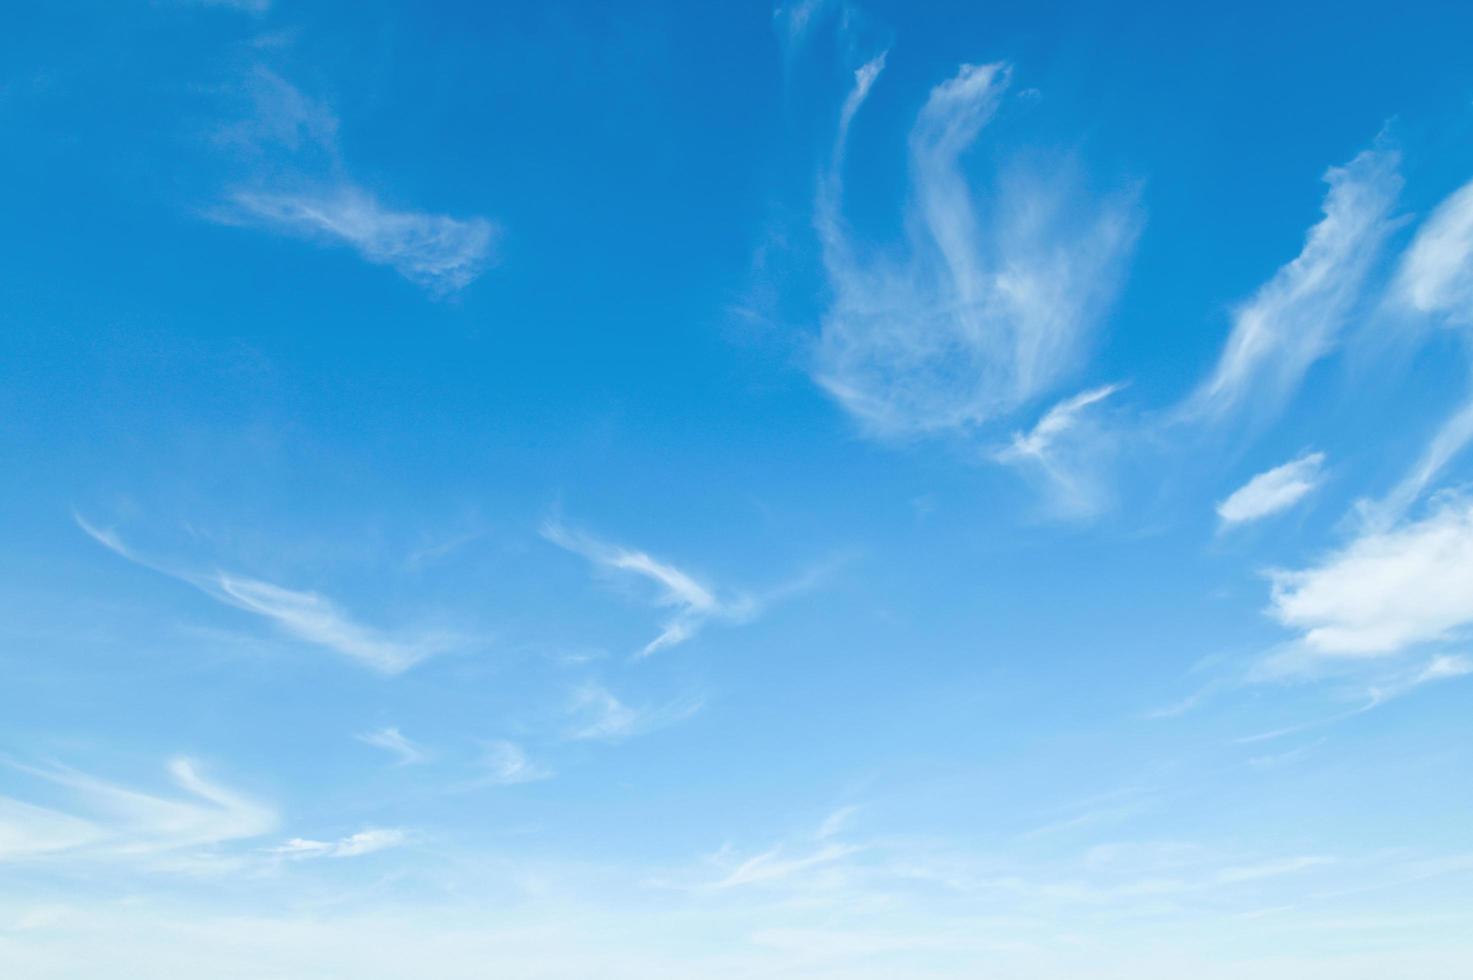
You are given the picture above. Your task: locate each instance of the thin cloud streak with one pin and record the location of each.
(306, 616)
(1450, 439)
(694, 603)
(600, 716)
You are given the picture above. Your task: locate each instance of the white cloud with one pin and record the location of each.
(299, 187)
(117, 822)
(994, 300)
(1442, 667)
(1434, 277)
(773, 866)
(1272, 491)
(438, 252)
(1449, 440)
(1067, 451)
(694, 603)
(281, 118)
(1436, 271)
(315, 619)
(257, 7)
(27, 830)
(306, 616)
(390, 740)
(355, 845)
(505, 764)
(1387, 590)
(795, 20)
(1296, 317)
(598, 715)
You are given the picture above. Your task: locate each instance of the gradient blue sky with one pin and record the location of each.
(663, 490)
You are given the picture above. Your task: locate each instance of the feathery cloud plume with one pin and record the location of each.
(1273, 490)
(118, 822)
(694, 604)
(306, 616)
(1066, 451)
(994, 300)
(600, 716)
(300, 188)
(1296, 317)
(440, 253)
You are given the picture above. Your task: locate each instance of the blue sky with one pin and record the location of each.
(665, 490)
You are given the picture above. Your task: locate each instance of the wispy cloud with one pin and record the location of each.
(775, 865)
(257, 7)
(1066, 450)
(694, 604)
(390, 740)
(795, 21)
(506, 764)
(1436, 272)
(1273, 491)
(599, 716)
(799, 857)
(115, 821)
(306, 616)
(1442, 667)
(1297, 316)
(1434, 278)
(1387, 590)
(300, 188)
(1449, 440)
(438, 252)
(354, 845)
(993, 300)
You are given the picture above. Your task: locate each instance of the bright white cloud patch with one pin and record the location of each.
(1386, 591)
(441, 253)
(1270, 492)
(995, 296)
(1297, 316)
(1436, 273)
(355, 845)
